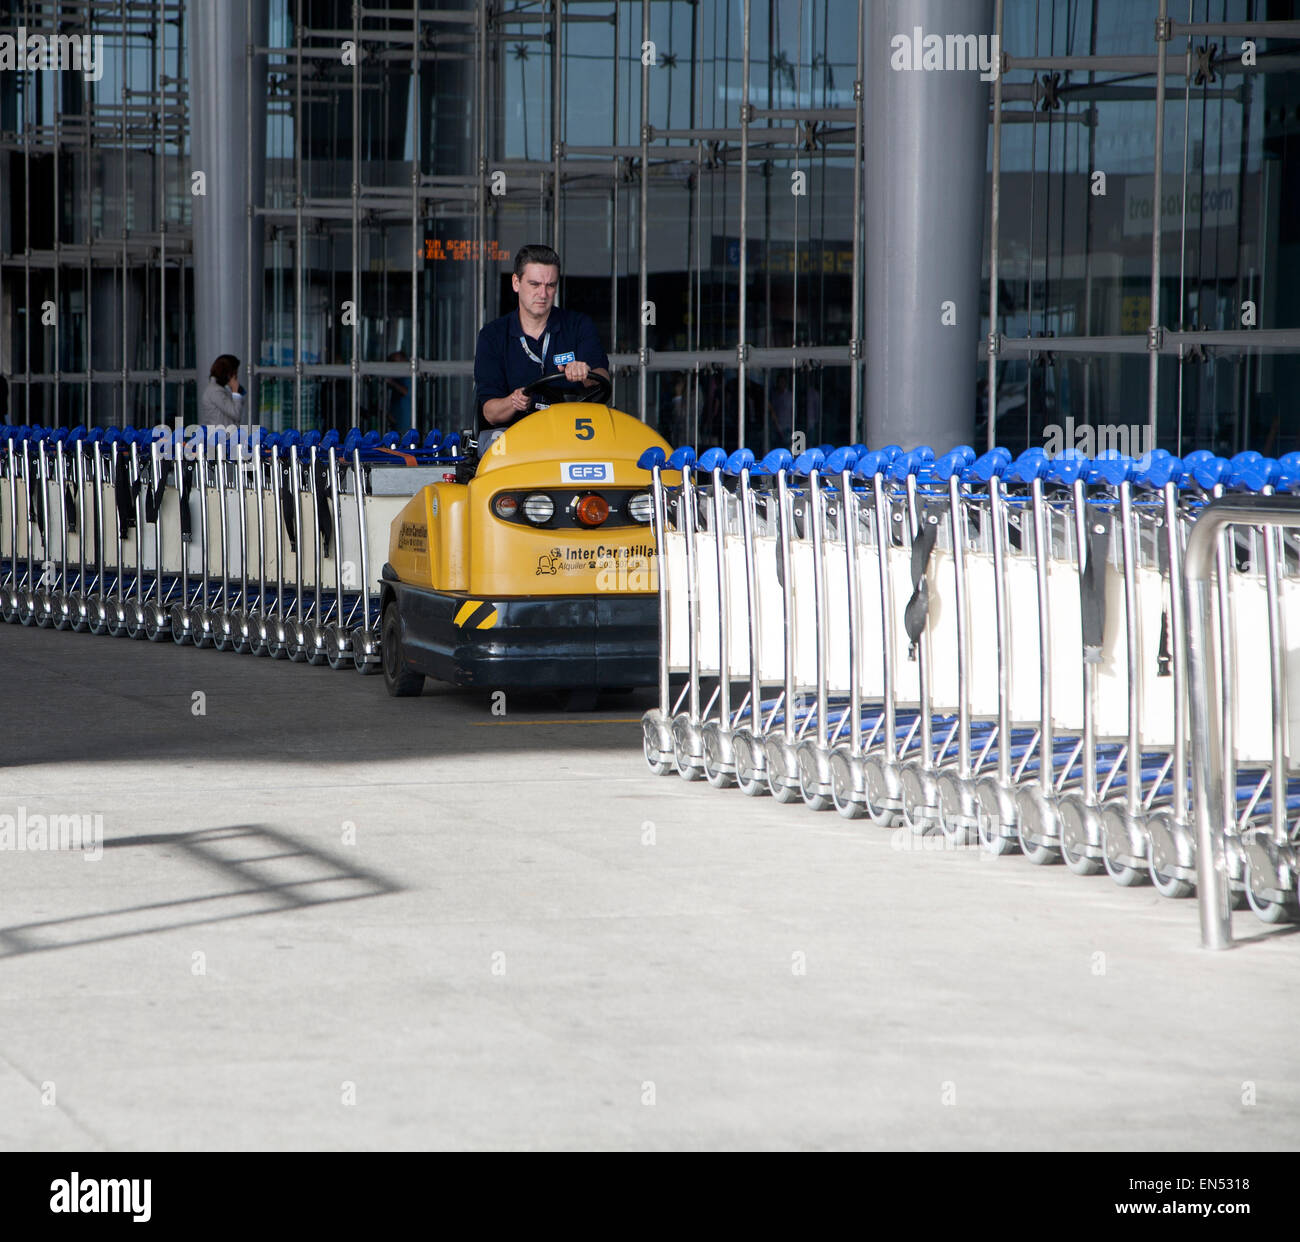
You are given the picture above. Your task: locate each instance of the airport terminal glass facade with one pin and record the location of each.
(700, 166)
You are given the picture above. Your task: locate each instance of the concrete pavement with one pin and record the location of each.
(328, 919)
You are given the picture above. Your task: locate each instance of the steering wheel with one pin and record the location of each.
(548, 389)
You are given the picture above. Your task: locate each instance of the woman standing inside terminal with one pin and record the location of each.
(221, 404)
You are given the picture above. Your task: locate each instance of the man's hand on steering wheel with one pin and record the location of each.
(547, 387)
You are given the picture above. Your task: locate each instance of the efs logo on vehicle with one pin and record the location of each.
(587, 472)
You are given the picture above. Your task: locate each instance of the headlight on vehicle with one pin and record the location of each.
(592, 510)
(539, 508)
(640, 508)
(506, 506)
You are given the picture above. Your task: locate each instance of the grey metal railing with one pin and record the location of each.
(1269, 512)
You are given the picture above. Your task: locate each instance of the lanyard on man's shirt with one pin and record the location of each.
(546, 344)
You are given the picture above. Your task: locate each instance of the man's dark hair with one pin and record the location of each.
(535, 254)
(224, 367)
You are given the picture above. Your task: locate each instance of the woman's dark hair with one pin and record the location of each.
(535, 254)
(225, 366)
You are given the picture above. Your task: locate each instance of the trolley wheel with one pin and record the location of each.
(314, 647)
(1124, 875)
(845, 803)
(9, 607)
(782, 764)
(365, 645)
(1168, 886)
(221, 633)
(994, 806)
(61, 608)
(1039, 855)
(751, 780)
(710, 757)
(660, 762)
(687, 769)
(337, 655)
(277, 639)
(1081, 863)
(810, 783)
(1272, 912)
(716, 778)
(257, 638)
(1032, 812)
(134, 622)
(200, 636)
(361, 662)
(180, 625)
(999, 846)
(400, 681)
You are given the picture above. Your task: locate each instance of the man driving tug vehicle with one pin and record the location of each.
(535, 339)
(537, 567)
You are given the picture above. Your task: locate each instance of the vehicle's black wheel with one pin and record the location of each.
(400, 681)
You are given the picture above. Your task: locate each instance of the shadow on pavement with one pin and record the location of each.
(256, 870)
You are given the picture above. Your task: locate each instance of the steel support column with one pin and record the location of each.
(219, 36)
(925, 177)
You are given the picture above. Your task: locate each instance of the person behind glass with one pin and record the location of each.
(222, 404)
(537, 338)
(399, 400)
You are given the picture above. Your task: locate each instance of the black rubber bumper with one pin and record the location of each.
(546, 642)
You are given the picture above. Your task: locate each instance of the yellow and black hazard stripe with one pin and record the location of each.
(476, 614)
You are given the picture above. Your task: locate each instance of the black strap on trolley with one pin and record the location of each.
(125, 493)
(70, 503)
(1092, 585)
(323, 517)
(1164, 658)
(918, 606)
(153, 496)
(36, 500)
(187, 485)
(289, 503)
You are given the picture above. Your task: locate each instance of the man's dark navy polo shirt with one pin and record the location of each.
(501, 364)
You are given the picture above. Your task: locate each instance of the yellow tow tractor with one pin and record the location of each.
(540, 571)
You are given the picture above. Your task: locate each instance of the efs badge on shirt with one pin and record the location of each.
(561, 360)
